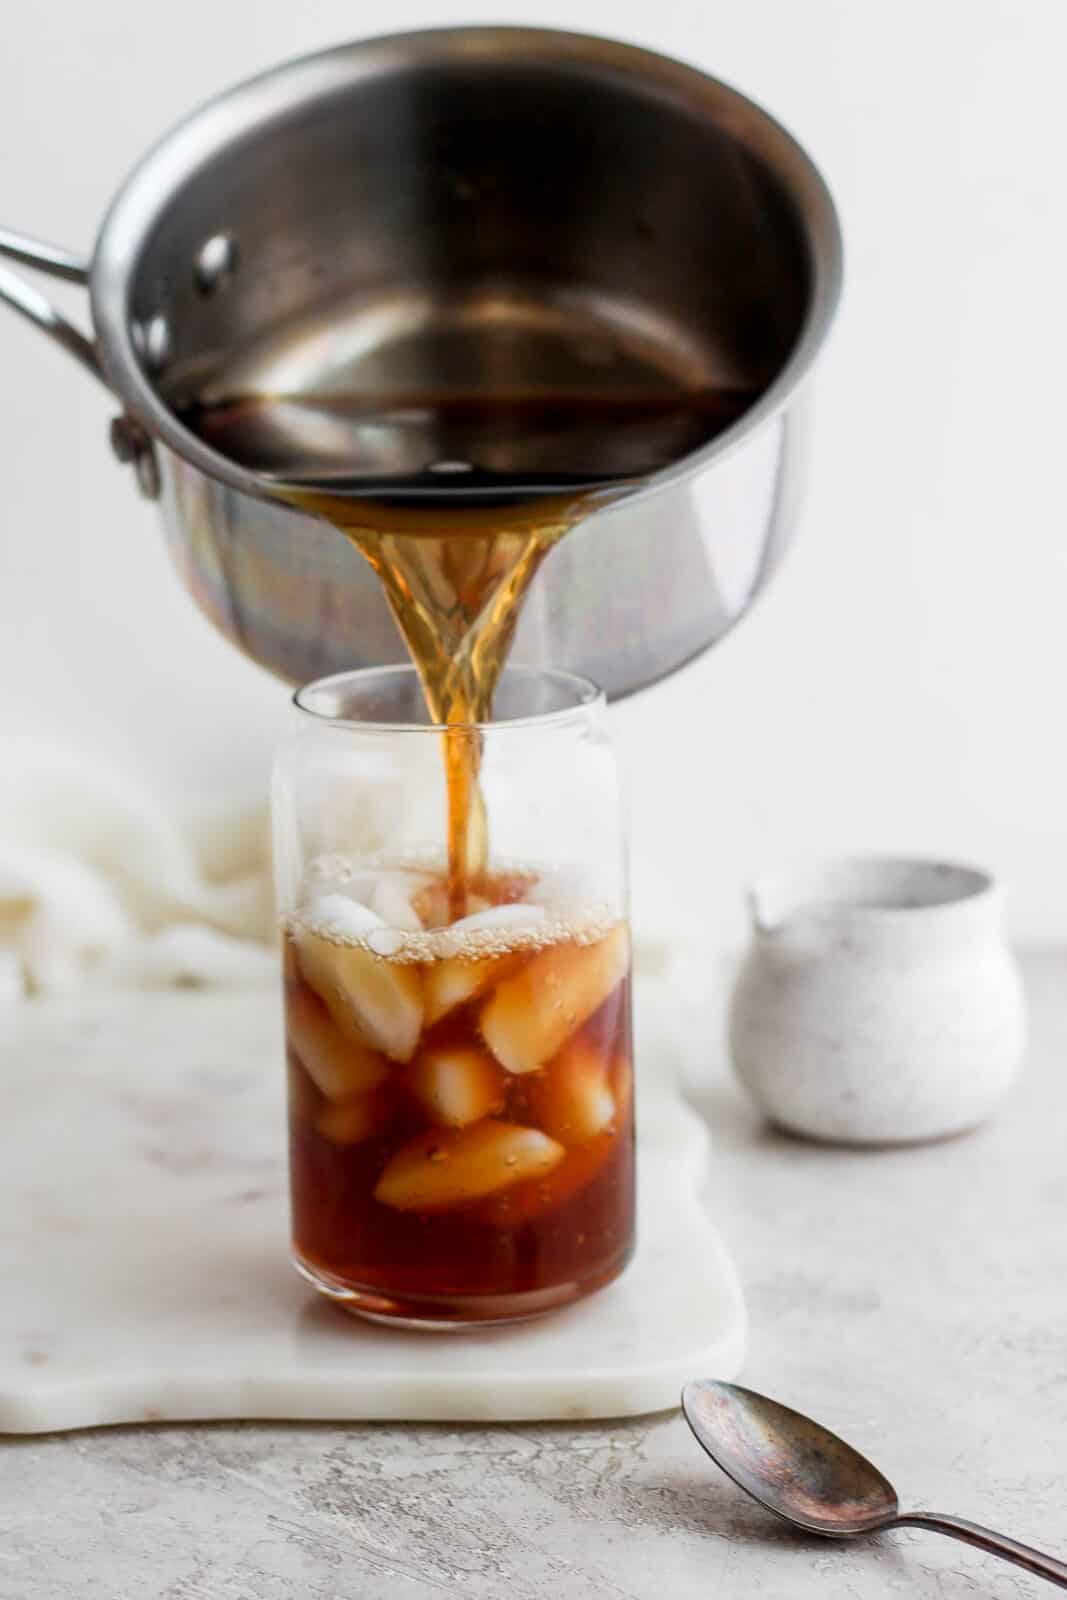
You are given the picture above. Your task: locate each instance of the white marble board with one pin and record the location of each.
(143, 1246)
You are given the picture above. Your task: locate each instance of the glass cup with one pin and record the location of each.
(460, 1091)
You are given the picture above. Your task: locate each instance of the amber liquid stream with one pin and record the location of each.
(455, 581)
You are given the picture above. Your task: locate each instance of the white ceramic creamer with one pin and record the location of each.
(879, 1002)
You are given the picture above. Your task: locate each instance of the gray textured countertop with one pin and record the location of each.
(916, 1300)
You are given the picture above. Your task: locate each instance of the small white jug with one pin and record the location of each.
(879, 1003)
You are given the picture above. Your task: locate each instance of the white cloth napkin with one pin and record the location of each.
(100, 883)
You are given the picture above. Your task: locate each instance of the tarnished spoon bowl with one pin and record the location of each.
(806, 1474)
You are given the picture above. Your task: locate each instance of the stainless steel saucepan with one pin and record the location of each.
(485, 211)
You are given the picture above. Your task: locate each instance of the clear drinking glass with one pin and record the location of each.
(460, 1091)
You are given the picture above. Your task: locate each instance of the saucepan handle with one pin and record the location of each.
(23, 297)
(50, 258)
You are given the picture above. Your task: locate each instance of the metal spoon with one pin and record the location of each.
(816, 1481)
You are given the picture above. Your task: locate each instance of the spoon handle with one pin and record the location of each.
(995, 1544)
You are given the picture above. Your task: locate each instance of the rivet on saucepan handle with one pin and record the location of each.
(157, 342)
(133, 447)
(216, 263)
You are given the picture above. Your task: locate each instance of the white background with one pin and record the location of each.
(901, 685)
